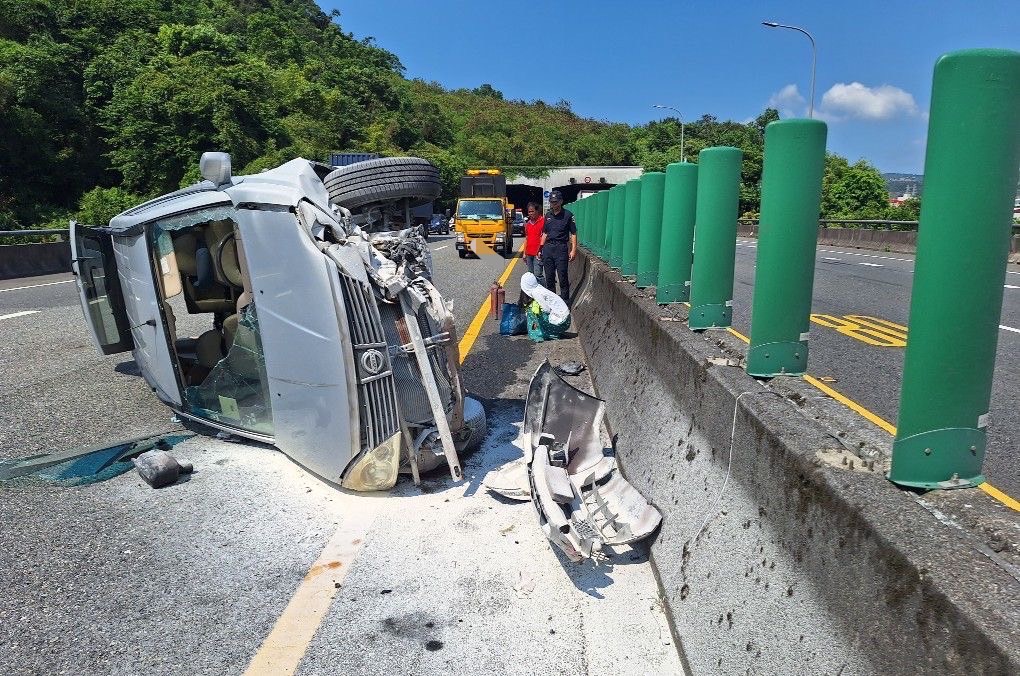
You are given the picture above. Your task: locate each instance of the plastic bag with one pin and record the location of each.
(513, 322)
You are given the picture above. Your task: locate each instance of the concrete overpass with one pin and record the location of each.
(523, 187)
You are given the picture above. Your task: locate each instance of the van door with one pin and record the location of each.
(102, 301)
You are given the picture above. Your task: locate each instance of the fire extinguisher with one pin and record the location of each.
(497, 294)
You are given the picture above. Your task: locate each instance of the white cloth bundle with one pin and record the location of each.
(547, 300)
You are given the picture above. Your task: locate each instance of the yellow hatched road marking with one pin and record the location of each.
(878, 320)
(856, 326)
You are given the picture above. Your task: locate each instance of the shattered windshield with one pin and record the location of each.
(236, 392)
(480, 209)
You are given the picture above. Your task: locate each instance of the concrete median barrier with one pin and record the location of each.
(771, 559)
(27, 260)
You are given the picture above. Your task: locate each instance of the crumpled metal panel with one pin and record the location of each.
(581, 499)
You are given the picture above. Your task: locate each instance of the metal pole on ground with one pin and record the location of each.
(970, 178)
(791, 194)
(619, 211)
(631, 223)
(677, 242)
(650, 230)
(715, 238)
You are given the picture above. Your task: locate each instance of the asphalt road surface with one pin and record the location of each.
(253, 565)
(871, 290)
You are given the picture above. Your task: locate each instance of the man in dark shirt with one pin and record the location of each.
(559, 245)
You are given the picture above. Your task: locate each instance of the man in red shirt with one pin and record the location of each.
(533, 228)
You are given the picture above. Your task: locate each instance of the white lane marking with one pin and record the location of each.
(441, 247)
(1010, 272)
(36, 286)
(1009, 328)
(855, 253)
(872, 265)
(1010, 286)
(829, 258)
(19, 314)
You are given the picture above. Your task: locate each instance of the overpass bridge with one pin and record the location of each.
(533, 184)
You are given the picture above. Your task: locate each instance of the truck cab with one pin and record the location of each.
(482, 219)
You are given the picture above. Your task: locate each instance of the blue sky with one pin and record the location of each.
(613, 60)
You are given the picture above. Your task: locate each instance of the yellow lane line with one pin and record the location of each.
(739, 335)
(891, 429)
(283, 649)
(281, 652)
(467, 341)
(885, 424)
(852, 405)
(1000, 496)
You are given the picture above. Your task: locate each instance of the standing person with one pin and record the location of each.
(559, 245)
(533, 238)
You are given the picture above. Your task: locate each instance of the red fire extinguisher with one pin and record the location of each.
(497, 294)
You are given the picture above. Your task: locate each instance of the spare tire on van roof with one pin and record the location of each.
(383, 180)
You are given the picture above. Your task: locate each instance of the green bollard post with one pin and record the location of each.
(631, 223)
(619, 210)
(650, 229)
(606, 206)
(600, 214)
(970, 179)
(791, 194)
(607, 234)
(677, 243)
(715, 238)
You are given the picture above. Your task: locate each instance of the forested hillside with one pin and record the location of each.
(104, 102)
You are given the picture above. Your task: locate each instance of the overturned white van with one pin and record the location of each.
(319, 329)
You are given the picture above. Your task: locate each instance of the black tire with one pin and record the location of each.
(460, 252)
(383, 180)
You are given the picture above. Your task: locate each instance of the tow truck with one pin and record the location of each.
(483, 215)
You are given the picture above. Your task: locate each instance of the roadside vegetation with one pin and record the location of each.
(106, 102)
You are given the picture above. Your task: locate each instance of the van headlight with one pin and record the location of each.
(377, 469)
(460, 236)
(499, 237)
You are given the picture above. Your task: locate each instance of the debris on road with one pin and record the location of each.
(158, 468)
(581, 499)
(548, 314)
(571, 368)
(90, 464)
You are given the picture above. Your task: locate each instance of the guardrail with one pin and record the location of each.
(64, 233)
(863, 223)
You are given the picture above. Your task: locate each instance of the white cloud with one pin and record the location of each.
(869, 103)
(788, 101)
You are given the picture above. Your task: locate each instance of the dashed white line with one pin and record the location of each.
(855, 253)
(36, 286)
(1010, 286)
(872, 265)
(1009, 328)
(829, 258)
(19, 314)
(441, 247)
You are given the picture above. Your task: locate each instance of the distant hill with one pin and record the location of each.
(898, 184)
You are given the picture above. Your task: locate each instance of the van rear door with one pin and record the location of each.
(102, 301)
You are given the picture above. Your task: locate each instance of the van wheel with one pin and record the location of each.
(383, 180)
(460, 252)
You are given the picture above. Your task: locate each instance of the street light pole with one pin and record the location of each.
(814, 58)
(680, 117)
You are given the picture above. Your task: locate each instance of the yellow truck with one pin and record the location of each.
(483, 217)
